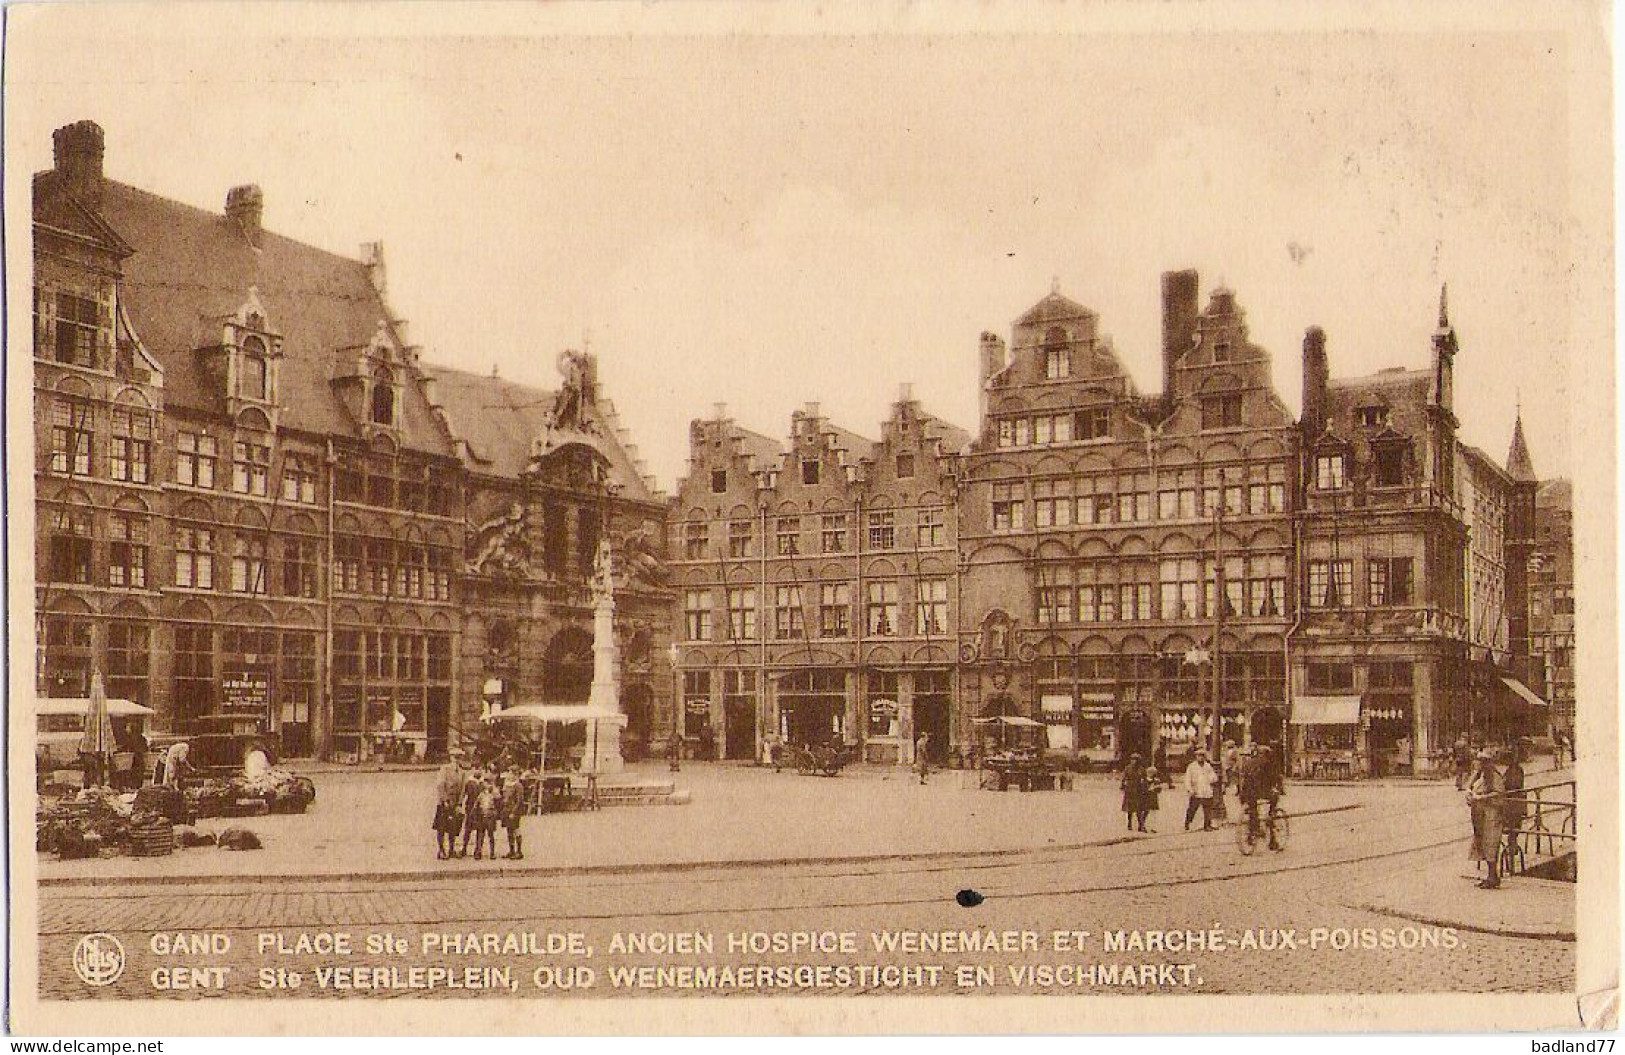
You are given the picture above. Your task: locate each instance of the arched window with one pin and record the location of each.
(383, 396)
(254, 377)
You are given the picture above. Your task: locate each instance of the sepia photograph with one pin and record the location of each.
(933, 518)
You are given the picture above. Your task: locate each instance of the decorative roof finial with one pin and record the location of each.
(1055, 283)
(1444, 305)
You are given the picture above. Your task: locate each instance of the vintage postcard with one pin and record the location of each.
(707, 518)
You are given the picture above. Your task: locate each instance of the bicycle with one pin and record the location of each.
(1276, 827)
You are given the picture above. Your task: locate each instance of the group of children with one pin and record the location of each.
(471, 803)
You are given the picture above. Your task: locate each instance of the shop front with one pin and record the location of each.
(812, 707)
(1387, 732)
(1325, 737)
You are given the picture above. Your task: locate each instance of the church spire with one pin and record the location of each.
(1519, 467)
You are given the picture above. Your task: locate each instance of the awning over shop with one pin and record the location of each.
(1523, 692)
(1326, 710)
(542, 712)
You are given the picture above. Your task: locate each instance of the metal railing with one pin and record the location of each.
(1549, 826)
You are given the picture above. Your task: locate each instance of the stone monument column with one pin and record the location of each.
(605, 695)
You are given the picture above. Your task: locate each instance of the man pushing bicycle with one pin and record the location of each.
(1261, 781)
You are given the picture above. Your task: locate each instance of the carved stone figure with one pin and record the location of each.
(499, 547)
(640, 558)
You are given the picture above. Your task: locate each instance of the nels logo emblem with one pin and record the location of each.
(98, 959)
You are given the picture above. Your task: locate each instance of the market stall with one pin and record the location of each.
(1325, 741)
(1013, 753)
(561, 771)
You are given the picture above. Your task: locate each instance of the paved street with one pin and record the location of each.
(1369, 839)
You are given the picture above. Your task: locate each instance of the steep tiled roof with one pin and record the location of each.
(191, 268)
(857, 447)
(764, 452)
(1053, 308)
(953, 438)
(1555, 494)
(499, 420)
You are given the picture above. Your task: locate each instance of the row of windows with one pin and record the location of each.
(1389, 583)
(1183, 589)
(834, 533)
(1222, 411)
(385, 568)
(1168, 677)
(392, 483)
(1129, 499)
(832, 613)
(1388, 677)
(1390, 467)
(812, 472)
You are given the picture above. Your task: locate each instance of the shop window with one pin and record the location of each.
(65, 644)
(696, 703)
(194, 670)
(129, 661)
(880, 700)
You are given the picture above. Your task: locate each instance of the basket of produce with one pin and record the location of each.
(150, 835)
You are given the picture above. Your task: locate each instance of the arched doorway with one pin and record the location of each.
(567, 667)
(638, 702)
(1267, 728)
(1134, 735)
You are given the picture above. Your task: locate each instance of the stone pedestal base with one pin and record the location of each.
(605, 754)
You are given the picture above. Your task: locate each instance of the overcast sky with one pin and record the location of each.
(765, 221)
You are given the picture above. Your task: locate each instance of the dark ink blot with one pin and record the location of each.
(969, 898)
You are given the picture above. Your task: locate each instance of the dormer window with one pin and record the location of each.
(383, 397)
(253, 379)
(1331, 472)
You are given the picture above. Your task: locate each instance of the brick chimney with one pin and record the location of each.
(1316, 374)
(1179, 313)
(77, 151)
(245, 205)
(993, 359)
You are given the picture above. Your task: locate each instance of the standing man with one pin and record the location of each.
(1201, 781)
(1261, 783)
(1484, 795)
(922, 761)
(448, 815)
(1229, 763)
(1159, 759)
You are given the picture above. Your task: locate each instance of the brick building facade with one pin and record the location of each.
(816, 582)
(252, 500)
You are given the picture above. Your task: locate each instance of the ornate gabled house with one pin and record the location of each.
(816, 584)
(1099, 530)
(1410, 632)
(1551, 600)
(550, 474)
(252, 504)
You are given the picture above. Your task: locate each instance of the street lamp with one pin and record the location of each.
(674, 749)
